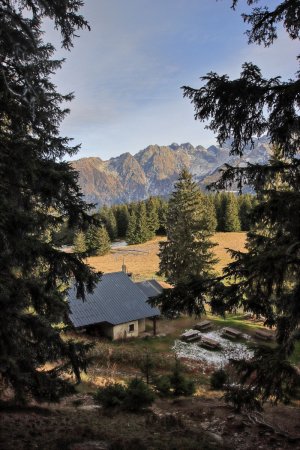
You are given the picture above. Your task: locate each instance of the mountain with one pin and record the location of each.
(154, 170)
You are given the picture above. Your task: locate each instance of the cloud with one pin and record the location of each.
(127, 72)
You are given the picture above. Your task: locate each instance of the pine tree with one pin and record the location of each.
(104, 244)
(131, 231)
(98, 242)
(219, 201)
(266, 279)
(122, 219)
(152, 216)
(246, 204)
(142, 230)
(38, 191)
(187, 252)
(138, 231)
(231, 213)
(162, 216)
(210, 215)
(80, 244)
(107, 217)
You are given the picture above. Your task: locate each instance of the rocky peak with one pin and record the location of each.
(153, 170)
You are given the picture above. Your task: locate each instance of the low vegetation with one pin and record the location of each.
(135, 396)
(218, 379)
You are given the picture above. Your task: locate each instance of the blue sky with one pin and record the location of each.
(127, 71)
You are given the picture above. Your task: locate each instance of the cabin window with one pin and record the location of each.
(131, 327)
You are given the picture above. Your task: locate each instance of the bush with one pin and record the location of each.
(179, 383)
(147, 365)
(242, 398)
(138, 395)
(133, 397)
(111, 395)
(218, 379)
(163, 385)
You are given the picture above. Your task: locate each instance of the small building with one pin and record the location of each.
(117, 308)
(151, 288)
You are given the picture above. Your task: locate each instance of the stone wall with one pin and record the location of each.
(125, 330)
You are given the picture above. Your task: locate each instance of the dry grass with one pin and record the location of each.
(143, 262)
(234, 241)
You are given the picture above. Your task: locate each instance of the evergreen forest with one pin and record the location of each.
(138, 222)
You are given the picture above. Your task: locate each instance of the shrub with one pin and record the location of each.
(163, 385)
(179, 383)
(218, 379)
(147, 365)
(242, 398)
(138, 395)
(111, 395)
(77, 402)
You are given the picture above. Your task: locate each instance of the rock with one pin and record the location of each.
(205, 425)
(90, 445)
(215, 437)
(89, 407)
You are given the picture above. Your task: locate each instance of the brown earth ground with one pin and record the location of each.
(181, 424)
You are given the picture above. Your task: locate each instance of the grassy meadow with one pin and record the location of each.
(142, 260)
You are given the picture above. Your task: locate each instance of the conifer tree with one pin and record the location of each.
(107, 217)
(187, 252)
(141, 232)
(162, 215)
(231, 213)
(142, 229)
(80, 244)
(152, 216)
(265, 279)
(98, 242)
(210, 215)
(246, 204)
(131, 230)
(38, 191)
(138, 231)
(122, 219)
(219, 201)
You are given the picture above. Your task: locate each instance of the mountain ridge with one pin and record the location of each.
(153, 170)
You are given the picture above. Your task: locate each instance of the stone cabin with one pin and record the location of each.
(117, 308)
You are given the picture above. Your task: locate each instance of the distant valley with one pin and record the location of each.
(154, 170)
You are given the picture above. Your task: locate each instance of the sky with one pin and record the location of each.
(127, 72)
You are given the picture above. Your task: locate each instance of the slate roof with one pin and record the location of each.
(116, 299)
(151, 288)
